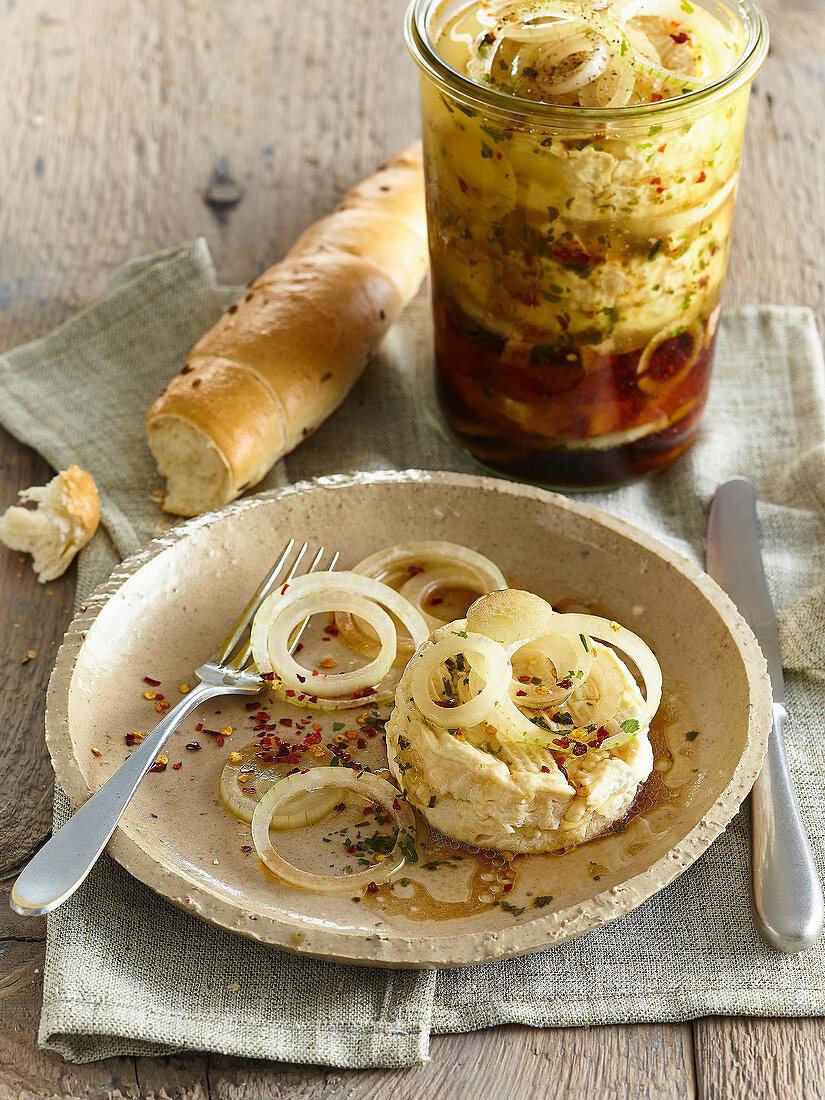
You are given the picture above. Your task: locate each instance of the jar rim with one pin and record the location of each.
(502, 104)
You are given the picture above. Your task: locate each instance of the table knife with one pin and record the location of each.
(787, 893)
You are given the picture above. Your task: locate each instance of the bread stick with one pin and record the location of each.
(284, 357)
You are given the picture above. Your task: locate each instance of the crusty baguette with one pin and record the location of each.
(66, 516)
(285, 356)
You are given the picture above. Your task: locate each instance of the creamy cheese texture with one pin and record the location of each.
(505, 794)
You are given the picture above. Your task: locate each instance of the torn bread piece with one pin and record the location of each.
(66, 516)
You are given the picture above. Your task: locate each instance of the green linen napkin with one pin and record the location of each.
(80, 395)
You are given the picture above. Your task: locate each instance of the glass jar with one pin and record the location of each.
(577, 260)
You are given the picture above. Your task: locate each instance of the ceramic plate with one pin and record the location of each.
(160, 614)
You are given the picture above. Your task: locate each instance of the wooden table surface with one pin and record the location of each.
(114, 117)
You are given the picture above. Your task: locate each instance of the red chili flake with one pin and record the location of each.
(152, 683)
(579, 749)
(283, 750)
(462, 185)
(663, 147)
(177, 767)
(248, 790)
(267, 675)
(250, 706)
(544, 768)
(570, 252)
(246, 847)
(266, 757)
(333, 630)
(656, 179)
(153, 815)
(262, 716)
(562, 742)
(524, 679)
(293, 758)
(285, 721)
(345, 756)
(130, 739)
(219, 741)
(199, 727)
(521, 692)
(701, 177)
(498, 156)
(372, 888)
(193, 746)
(289, 693)
(212, 733)
(680, 38)
(313, 738)
(436, 600)
(361, 743)
(656, 97)
(298, 647)
(565, 684)
(284, 589)
(368, 810)
(395, 805)
(158, 767)
(594, 744)
(508, 886)
(158, 697)
(301, 679)
(351, 848)
(266, 741)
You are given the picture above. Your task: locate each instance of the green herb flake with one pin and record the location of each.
(656, 129)
(406, 842)
(514, 909)
(431, 803)
(337, 726)
(545, 899)
(583, 638)
(486, 151)
(691, 735)
(630, 726)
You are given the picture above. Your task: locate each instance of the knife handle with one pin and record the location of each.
(786, 889)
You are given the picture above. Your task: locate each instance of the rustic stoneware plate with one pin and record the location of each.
(162, 611)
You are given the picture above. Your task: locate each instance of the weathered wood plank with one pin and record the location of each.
(33, 619)
(760, 1059)
(507, 1063)
(25, 1071)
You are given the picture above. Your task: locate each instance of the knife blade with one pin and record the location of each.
(787, 893)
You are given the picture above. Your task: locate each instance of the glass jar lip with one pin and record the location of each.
(477, 96)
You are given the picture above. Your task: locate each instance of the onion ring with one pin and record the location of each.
(364, 783)
(280, 613)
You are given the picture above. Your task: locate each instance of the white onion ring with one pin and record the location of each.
(490, 636)
(627, 67)
(281, 612)
(446, 564)
(305, 809)
(363, 783)
(497, 673)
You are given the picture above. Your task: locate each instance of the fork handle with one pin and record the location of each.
(63, 862)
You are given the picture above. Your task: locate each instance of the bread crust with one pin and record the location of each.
(65, 516)
(286, 354)
(79, 495)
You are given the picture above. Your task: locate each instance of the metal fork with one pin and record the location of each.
(62, 864)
